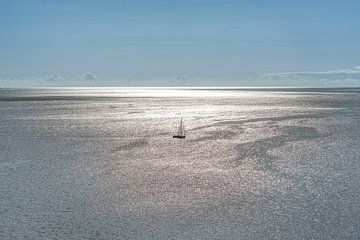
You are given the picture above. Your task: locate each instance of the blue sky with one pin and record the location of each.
(179, 42)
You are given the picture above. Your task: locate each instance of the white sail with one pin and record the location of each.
(181, 130)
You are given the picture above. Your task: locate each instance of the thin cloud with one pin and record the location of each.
(59, 79)
(89, 77)
(352, 74)
(54, 78)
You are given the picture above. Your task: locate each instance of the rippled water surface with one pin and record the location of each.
(256, 164)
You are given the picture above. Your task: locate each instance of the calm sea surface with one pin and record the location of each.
(101, 163)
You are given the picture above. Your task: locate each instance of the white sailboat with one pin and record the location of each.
(181, 131)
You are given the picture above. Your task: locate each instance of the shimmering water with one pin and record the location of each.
(256, 164)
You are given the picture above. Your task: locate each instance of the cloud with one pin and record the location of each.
(54, 78)
(59, 79)
(339, 76)
(88, 77)
(182, 80)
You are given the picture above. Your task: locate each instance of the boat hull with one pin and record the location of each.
(179, 136)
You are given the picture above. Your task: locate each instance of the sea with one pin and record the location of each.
(102, 163)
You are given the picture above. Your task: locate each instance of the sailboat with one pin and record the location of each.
(181, 131)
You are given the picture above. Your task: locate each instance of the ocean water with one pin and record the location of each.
(101, 163)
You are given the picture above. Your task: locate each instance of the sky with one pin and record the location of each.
(179, 43)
